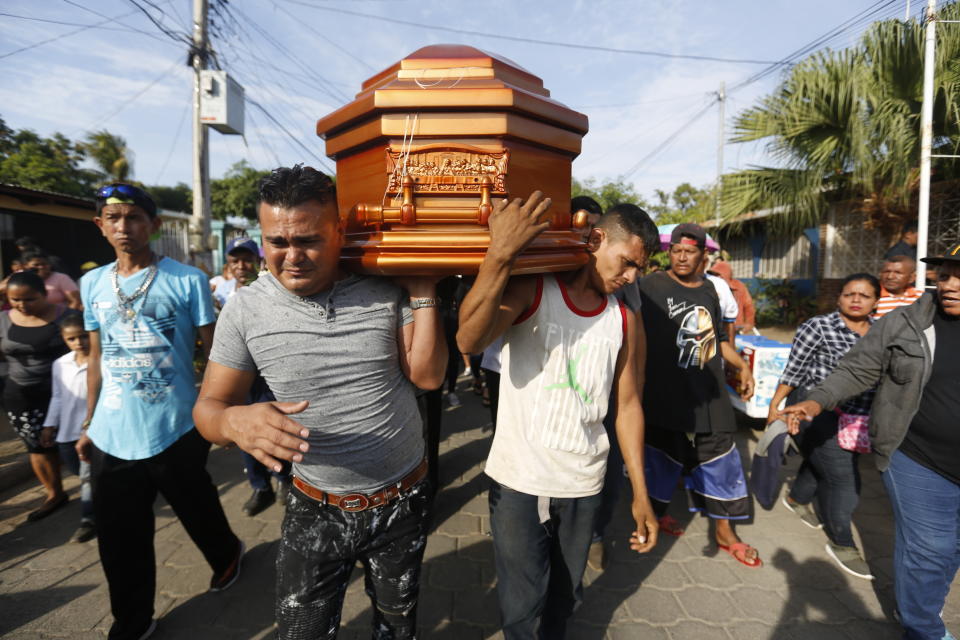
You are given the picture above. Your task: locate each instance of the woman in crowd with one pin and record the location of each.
(831, 443)
(30, 341)
(61, 289)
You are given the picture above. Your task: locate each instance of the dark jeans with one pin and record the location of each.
(70, 460)
(926, 552)
(259, 476)
(829, 474)
(450, 326)
(319, 545)
(612, 481)
(539, 565)
(123, 495)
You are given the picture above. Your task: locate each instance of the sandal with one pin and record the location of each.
(738, 551)
(47, 508)
(670, 526)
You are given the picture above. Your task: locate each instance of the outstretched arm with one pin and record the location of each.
(492, 304)
(630, 430)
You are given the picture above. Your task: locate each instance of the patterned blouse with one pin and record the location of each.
(817, 348)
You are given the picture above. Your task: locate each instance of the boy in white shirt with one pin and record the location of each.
(68, 409)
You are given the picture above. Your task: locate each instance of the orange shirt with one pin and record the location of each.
(888, 302)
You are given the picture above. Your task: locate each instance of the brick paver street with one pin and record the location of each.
(51, 588)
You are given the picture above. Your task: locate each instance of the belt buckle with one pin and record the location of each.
(354, 502)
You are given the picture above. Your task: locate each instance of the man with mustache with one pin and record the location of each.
(342, 354)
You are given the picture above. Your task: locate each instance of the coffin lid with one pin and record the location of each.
(449, 77)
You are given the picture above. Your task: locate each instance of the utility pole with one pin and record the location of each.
(721, 100)
(200, 220)
(926, 140)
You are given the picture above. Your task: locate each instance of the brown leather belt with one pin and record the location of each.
(363, 501)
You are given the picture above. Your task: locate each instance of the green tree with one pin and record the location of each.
(111, 155)
(845, 125)
(608, 193)
(236, 193)
(49, 164)
(686, 203)
(176, 198)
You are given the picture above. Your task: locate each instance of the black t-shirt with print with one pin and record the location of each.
(684, 388)
(933, 439)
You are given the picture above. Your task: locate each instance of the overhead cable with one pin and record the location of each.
(551, 43)
(61, 36)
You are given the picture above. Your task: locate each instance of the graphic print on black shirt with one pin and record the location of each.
(696, 337)
(934, 436)
(685, 388)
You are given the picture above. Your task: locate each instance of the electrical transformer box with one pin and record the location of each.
(221, 102)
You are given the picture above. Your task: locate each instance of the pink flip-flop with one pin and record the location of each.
(738, 551)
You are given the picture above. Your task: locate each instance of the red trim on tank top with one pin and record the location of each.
(574, 308)
(532, 309)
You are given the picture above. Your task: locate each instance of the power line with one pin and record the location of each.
(551, 43)
(101, 15)
(272, 119)
(669, 139)
(263, 141)
(170, 33)
(126, 103)
(330, 91)
(176, 139)
(641, 103)
(63, 35)
(73, 24)
(854, 22)
(323, 36)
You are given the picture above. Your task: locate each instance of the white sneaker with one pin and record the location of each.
(453, 400)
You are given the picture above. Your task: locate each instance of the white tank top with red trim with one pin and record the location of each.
(557, 370)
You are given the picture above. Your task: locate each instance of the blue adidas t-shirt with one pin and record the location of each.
(148, 388)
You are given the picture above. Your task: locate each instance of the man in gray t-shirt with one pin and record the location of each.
(342, 354)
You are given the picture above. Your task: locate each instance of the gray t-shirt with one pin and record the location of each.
(337, 349)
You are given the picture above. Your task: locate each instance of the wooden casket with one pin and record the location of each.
(431, 144)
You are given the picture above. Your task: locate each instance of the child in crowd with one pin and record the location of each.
(68, 410)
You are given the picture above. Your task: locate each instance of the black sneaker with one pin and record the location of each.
(86, 531)
(224, 580)
(259, 500)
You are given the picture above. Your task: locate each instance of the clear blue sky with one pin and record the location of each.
(137, 85)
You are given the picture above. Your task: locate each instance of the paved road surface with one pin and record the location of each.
(51, 588)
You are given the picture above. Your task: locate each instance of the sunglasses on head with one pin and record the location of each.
(127, 191)
(123, 189)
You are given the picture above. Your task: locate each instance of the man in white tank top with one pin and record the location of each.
(567, 343)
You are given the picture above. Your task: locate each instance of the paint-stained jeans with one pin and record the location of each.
(319, 546)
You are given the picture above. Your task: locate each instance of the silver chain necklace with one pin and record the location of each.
(124, 302)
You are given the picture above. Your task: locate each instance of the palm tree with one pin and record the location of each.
(111, 155)
(846, 125)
